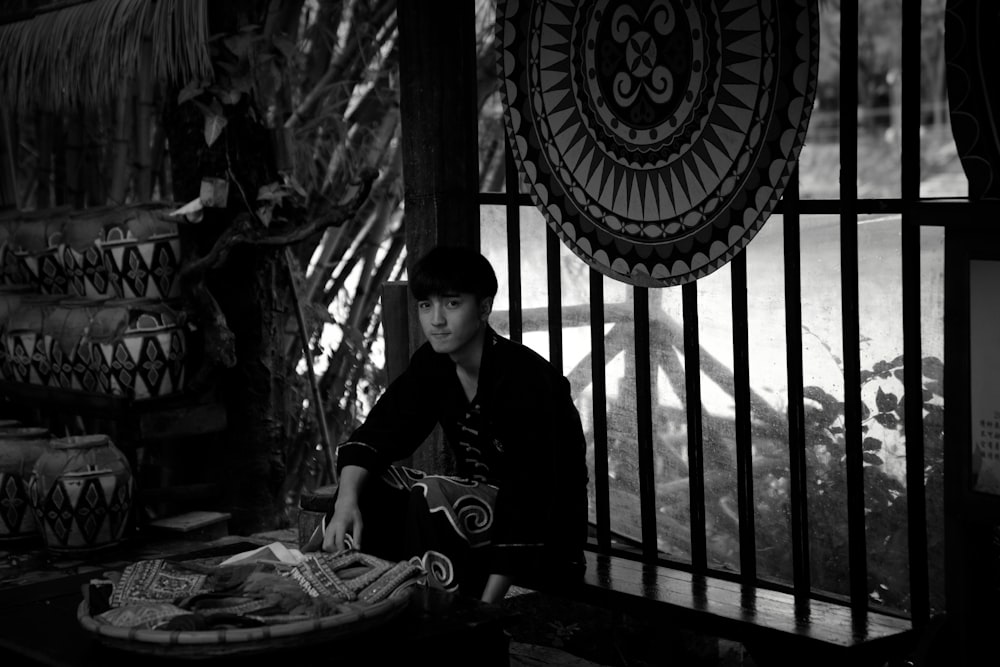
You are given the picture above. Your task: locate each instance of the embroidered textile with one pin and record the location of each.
(155, 580)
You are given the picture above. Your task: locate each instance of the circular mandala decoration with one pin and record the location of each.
(657, 135)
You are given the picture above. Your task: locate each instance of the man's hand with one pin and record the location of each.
(346, 520)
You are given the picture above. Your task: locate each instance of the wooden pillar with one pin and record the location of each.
(438, 83)
(437, 44)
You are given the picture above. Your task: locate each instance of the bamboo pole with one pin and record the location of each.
(119, 165)
(43, 171)
(145, 83)
(8, 160)
(74, 159)
(313, 385)
(95, 169)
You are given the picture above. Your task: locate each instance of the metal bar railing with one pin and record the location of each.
(744, 444)
(857, 544)
(598, 365)
(912, 347)
(512, 203)
(554, 282)
(644, 422)
(798, 474)
(696, 459)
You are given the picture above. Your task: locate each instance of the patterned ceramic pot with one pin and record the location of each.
(81, 254)
(37, 241)
(142, 254)
(65, 339)
(138, 349)
(10, 302)
(20, 449)
(10, 268)
(25, 342)
(81, 491)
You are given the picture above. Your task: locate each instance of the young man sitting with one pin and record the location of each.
(516, 511)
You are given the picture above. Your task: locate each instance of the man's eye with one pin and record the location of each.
(423, 305)
(454, 303)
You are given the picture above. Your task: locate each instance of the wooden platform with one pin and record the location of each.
(770, 623)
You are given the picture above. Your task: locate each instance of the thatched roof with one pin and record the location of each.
(85, 53)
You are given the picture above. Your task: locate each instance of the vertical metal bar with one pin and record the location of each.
(912, 348)
(513, 211)
(741, 391)
(552, 265)
(801, 577)
(644, 425)
(857, 547)
(696, 459)
(602, 491)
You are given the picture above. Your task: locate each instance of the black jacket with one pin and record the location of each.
(540, 518)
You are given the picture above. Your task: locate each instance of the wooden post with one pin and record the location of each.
(396, 325)
(437, 99)
(438, 78)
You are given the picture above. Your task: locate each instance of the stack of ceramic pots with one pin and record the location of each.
(86, 301)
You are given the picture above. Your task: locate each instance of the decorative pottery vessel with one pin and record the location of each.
(25, 342)
(20, 448)
(37, 241)
(10, 302)
(10, 268)
(65, 332)
(81, 491)
(142, 253)
(138, 348)
(81, 254)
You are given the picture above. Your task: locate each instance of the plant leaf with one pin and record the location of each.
(885, 402)
(872, 459)
(933, 368)
(214, 124)
(887, 419)
(190, 91)
(871, 444)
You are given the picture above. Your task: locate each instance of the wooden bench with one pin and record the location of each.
(772, 625)
(769, 623)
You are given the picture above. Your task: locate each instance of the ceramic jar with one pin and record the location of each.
(10, 302)
(10, 268)
(138, 348)
(20, 449)
(37, 240)
(24, 340)
(65, 339)
(81, 254)
(81, 490)
(142, 253)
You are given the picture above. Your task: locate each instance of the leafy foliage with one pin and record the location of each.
(885, 498)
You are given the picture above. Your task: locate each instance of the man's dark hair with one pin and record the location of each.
(446, 269)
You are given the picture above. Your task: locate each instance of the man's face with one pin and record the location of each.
(450, 321)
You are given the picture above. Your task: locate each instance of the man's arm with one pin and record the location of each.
(346, 512)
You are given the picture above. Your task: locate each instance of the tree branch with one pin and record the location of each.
(220, 343)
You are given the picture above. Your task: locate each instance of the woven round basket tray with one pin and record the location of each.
(234, 641)
(351, 617)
